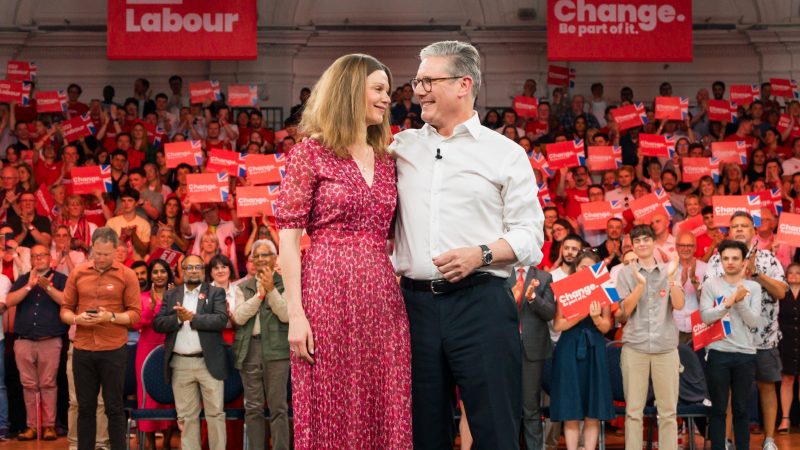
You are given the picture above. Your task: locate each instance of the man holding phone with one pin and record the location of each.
(102, 299)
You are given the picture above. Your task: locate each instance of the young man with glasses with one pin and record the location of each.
(690, 272)
(193, 316)
(38, 296)
(261, 349)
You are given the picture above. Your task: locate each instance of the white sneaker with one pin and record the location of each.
(769, 445)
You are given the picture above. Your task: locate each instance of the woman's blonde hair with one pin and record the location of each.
(336, 111)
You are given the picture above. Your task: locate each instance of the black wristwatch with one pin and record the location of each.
(487, 255)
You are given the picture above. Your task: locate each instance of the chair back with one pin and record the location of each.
(130, 372)
(693, 387)
(233, 384)
(153, 378)
(613, 355)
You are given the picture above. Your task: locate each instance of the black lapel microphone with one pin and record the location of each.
(438, 154)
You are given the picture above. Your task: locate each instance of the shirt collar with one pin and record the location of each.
(114, 266)
(196, 290)
(472, 126)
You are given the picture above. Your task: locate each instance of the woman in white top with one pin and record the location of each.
(219, 270)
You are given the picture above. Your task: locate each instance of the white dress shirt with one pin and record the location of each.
(480, 190)
(187, 342)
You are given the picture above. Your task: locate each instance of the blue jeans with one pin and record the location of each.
(3, 394)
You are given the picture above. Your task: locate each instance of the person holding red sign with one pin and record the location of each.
(574, 193)
(340, 186)
(649, 294)
(731, 360)
(581, 389)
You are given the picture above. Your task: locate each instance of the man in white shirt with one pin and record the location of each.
(467, 212)
(625, 177)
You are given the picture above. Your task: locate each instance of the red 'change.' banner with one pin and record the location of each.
(636, 30)
(181, 29)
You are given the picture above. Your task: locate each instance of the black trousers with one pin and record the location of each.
(93, 370)
(734, 373)
(468, 338)
(532, 429)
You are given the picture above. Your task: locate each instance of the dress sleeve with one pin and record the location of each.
(297, 188)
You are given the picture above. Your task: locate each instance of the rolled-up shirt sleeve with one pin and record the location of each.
(523, 218)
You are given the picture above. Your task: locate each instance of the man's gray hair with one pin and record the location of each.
(264, 243)
(464, 60)
(105, 234)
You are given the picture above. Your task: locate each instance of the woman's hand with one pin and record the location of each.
(301, 339)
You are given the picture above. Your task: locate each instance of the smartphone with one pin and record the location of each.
(91, 311)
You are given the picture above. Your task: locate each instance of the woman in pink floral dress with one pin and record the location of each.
(348, 330)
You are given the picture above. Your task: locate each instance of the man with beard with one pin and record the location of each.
(611, 249)
(570, 247)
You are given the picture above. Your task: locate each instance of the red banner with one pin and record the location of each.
(539, 162)
(51, 101)
(644, 208)
(672, 108)
(619, 30)
(596, 214)
(170, 256)
(90, 179)
(734, 152)
(526, 106)
(696, 168)
(252, 201)
(726, 205)
(565, 154)
(599, 158)
(265, 169)
(15, 91)
(560, 76)
(200, 91)
(695, 225)
(576, 292)
(45, 205)
(657, 145)
(782, 87)
(21, 70)
(207, 187)
(181, 29)
(245, 95)
(629, 116)
(788, 229)
(223, 161)
(78, 127)
(771, 199)
(744, 94)
(703, 334)
(186, 152)
(722, 111)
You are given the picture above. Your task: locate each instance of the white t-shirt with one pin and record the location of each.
(791, 166)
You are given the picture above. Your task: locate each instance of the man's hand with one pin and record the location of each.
(750, 268)
(457, 264)
(33, 279)
(45, 282)
(741, 293)
(87, 320)
(184, 314)
(265, 280)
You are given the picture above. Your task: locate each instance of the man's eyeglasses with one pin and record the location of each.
(427, 83)
(38, 255)
(190, 267)
(263, 255)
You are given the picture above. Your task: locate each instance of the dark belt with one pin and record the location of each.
(255, 336)
(42, 338)
(193, 355)
(442, 286)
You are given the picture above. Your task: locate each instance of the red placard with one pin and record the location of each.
(734, 152)
(185, 152)
(253, 201)
(45, 205)
(21, 70)
(576, 292)
(265, 169)
(744, 94)
(695, 225)
(78, 127)
(726, 205)
(672, 108)
(15, 91)
(643, 208)
(244, 95)
(560, 76)
(722, 111)
(565, 154)
(181, 29)
(51, 101)
(170, 256)
(90, 179)
(629, 116)
(223, 161)
(788, 229)
(696, 168)
(656, 145)
(605, 157)
(782, 87)
(207, 187)
(596, 214)
(200, 91)
(704, 334)
(526, 106)
(619, 30)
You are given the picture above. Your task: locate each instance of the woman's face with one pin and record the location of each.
(584, 263)
(639, 191)
(161, 160)
(75, 208)
(759, 186)
(159, 276)
(242, 119)
(24, 175)
(378, 97)
(525, 144)
(257, 138)
(707, 187)
(166, 238)
(510, 132)
(138, 131)
(733, 174)
(209, 244)
(580, 124)
(683, 147)
(263, 232)
(220, 273)
(11, 155)
(61, 237)
(102, 158)
(492, 117)
(59, 194)
(559, 232)
(793, 275)
(544, 112)
(759, 157)
(150, 172)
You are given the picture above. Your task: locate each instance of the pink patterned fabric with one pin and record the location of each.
(148, 340)
(358, 394)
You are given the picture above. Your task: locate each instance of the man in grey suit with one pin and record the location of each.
(536, 308)
(193, 317)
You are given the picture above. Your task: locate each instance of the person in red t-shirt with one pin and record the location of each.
(74, 107)
(744, 133)
(256, 125)
(573, 192)
(707, 242)
(213, 139)
(46, 170)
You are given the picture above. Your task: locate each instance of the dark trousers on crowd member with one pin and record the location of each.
(734, 373)
(532, 427)
(467, 338)
(93, 370)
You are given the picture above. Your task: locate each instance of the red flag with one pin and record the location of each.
(526, 106)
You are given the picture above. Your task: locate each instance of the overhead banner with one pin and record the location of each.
(181, 29)
(619, 30)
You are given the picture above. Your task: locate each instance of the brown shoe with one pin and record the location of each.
(49, 434)
(28, 435)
